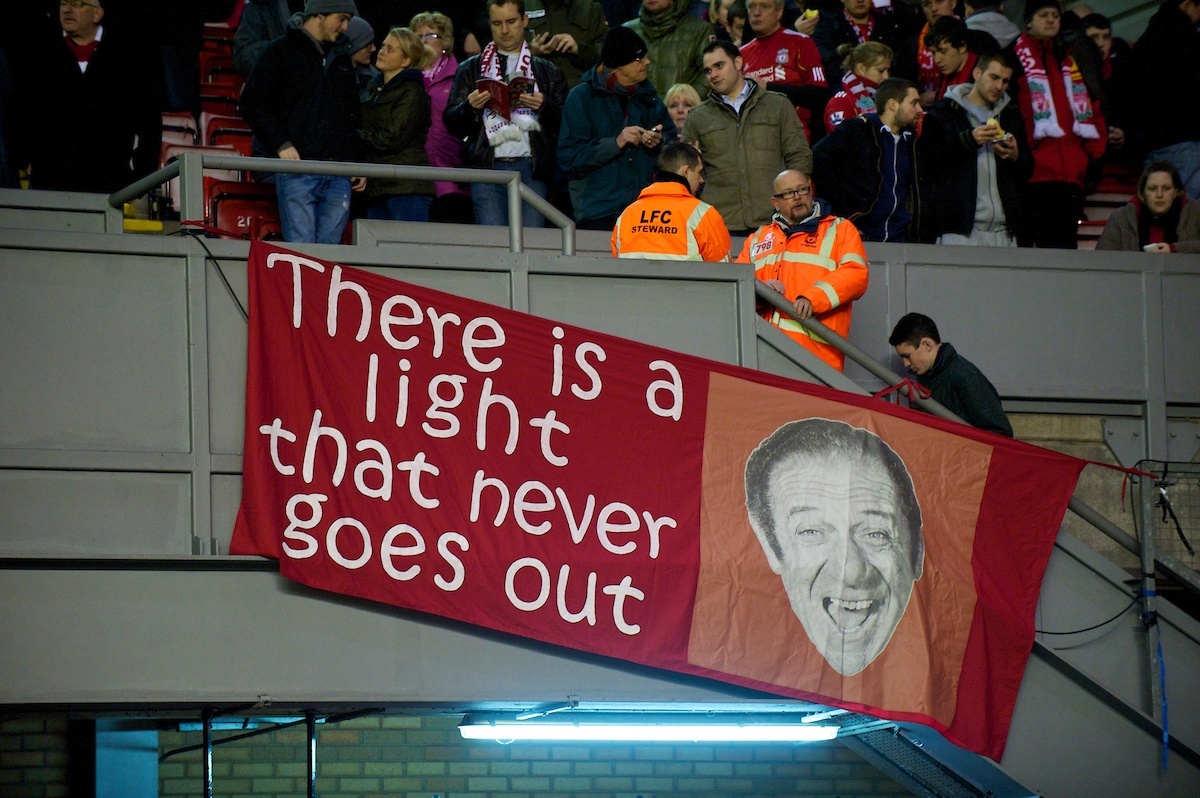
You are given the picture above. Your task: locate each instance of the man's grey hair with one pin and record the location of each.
(822, 439)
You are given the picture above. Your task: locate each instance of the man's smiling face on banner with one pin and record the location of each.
(838, 528)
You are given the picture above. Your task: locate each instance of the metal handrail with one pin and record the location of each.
(1176, 569)
(190, 166)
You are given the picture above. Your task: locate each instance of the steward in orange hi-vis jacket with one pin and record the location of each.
(817, 262)
(667, 221)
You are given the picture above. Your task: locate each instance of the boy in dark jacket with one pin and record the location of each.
(953, 381)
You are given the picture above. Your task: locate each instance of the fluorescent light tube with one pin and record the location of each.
(651, 732)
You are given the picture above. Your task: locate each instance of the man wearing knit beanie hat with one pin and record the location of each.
(614, 125)
(359, 42)
(301, 100)
(316, 8)
(1034, 6)
(621, 46)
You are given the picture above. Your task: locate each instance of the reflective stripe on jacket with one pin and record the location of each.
(828, 267)
(666, 222)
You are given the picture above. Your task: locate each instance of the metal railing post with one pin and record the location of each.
(516, 229)
(1149, 595)
(191, 186)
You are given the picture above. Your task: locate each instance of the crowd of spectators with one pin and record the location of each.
(894, 109)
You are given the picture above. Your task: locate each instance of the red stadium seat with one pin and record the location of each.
(218, 99)
(234, 189)
(245, 215)
(209, 123)
(241, 140)
(210, 60)
(227, 76)
(180, 120)
(173, 151)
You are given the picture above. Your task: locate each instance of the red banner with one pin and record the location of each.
(476, 463)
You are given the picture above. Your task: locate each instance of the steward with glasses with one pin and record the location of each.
(812, 257)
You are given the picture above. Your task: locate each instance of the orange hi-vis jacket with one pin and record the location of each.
(666, 222)
(828, 267)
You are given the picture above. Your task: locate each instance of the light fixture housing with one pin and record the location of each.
(603, 727)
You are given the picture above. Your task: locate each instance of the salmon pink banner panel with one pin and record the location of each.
(455, 458)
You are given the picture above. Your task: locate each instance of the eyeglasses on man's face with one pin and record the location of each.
(77, 4)
(792, 193)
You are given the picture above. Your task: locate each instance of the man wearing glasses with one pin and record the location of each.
(88, 99)
(815, 259)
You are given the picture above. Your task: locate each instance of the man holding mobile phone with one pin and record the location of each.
(972, 160)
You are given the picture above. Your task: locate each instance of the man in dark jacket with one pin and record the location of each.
(1166, 70)
(866, 167)
(568, 34)
(263, 21)
(953, 381)
(614, 125)
(974, 161)
(301, 101)
(89, 102)
(524, 140)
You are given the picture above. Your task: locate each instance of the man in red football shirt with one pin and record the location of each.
(785, 61)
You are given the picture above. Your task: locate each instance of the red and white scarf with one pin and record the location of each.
(1041, 99)
(863, 32)
(862, 91)
(927, 72)
(524, 120)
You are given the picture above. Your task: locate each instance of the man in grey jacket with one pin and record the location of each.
(747, 136)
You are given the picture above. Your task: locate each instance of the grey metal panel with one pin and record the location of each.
(871, 322)
(94, 514)
(94, 351)
(695, 316)
(1025, 328)
(226, 496)
(152, 636)
(1181, 335)
(1081, 589)
(225, 285)
(58, 210)
(1064, 744)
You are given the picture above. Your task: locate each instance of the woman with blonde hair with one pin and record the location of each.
(680, 99)
(396, 121)
(865, 66)
(452, 201)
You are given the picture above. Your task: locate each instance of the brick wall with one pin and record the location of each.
(33, 757)
(406, 757)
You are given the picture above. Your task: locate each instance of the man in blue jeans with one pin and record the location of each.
(525, 140)
(301, 101)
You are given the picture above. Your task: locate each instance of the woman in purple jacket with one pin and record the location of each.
(452, 202)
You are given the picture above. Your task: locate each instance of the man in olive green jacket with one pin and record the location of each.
(747, 135)
(675, 40)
